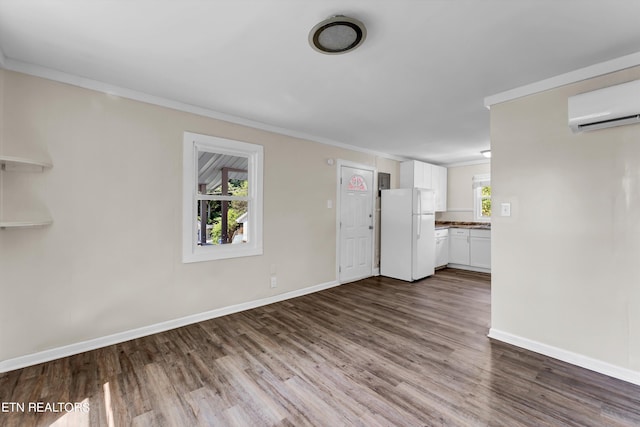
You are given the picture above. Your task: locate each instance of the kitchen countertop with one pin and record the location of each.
(457, 224)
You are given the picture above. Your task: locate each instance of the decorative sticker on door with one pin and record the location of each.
(357, 183)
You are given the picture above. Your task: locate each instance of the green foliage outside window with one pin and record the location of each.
(236, 209)
(485, 193)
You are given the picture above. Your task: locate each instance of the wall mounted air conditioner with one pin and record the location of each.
(612, 106)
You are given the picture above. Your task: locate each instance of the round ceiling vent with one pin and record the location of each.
(338, 34)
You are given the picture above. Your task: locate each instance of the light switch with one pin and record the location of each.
(329, 204)
(505, 209)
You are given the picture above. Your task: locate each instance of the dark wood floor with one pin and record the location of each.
(374, 352)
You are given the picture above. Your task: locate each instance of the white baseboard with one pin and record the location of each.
(71, 349)
(577, 359)
(469, 268)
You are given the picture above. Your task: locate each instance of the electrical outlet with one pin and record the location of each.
(274, 281)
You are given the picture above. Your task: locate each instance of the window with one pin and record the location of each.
(222, 198)
(482, 197)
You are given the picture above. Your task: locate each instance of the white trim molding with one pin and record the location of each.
(193, 145)
(80, 347)
(585, 73)
(62, 77)
(577, 359)
(468, 163)
(459, 210)
(469, 267)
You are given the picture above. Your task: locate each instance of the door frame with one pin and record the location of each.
(339, 164)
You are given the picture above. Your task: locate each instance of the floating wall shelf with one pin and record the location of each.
(21, 164)
(24, 224)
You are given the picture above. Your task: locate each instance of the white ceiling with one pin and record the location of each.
(415, 88)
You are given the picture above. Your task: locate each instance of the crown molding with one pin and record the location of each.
(468, 163)
(96, 85)
(585, 73)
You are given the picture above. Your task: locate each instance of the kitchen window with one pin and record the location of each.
(482, 197)
(222, 198)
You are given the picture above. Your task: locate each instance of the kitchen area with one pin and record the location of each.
(461, 235)
(463, 245)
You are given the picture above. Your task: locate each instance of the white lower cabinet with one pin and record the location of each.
(470, 249)
(459, 246)
(442, 247)
(480, 248)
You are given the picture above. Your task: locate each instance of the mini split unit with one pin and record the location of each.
(612, 106)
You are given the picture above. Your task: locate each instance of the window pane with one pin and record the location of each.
(485, 202)
(218, 168)
(222, 174)
(238, 187)
(222, 222)
(486, 208)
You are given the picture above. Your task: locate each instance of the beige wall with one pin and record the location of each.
(111, 262)
(565, 270)
(460, 192)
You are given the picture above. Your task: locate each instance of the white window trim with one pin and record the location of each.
(191, 252)
(480, 181)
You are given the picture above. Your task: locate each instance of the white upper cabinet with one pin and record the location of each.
(415, 174)
(439, 182)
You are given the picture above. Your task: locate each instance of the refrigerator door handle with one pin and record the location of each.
(419, 195)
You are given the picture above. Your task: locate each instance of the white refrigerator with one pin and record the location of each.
(407, 233)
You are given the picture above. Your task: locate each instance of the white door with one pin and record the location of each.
(356, 223)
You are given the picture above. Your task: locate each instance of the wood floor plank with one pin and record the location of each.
(378, 352)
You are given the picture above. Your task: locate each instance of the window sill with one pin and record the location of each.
(213, 253)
